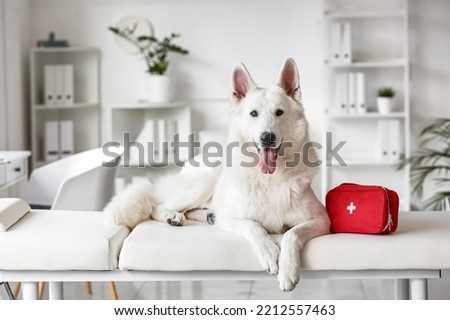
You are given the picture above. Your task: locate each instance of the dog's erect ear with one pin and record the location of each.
(289, 79)
(242, 82)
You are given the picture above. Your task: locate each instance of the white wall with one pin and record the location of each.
(3, 129)
(430, 90)
(14, 46)
(261, 33)
(430, 72)
(17, 81)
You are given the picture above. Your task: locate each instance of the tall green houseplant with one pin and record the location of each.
(154, 51)
(432, 161)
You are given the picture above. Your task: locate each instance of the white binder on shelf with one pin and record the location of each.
(162, 140)
(59, 84)
(66, 138)
(361, 106)
(346, 43)
(172, 130)
(383, 141)
(51, 141)
(344, 107)
(340, 94)
(395, 140)
(68, 90)
(49, 84)
(147, 138)
(352, 92)
(335, 48)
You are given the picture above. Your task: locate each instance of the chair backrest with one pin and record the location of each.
(78, 182)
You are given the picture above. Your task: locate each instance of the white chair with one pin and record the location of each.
(81, 182)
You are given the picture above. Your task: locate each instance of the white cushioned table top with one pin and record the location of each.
(422, 241)
(62, 240)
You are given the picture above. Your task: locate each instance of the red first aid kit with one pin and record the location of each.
(362, 209)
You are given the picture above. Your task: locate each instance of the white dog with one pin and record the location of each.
(265, 188)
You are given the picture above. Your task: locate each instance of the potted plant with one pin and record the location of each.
(155, 53)
(432, 161)
(385, 99)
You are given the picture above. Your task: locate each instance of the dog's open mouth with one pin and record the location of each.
(267, 159)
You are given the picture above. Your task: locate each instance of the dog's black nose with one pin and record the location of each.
(268, 139)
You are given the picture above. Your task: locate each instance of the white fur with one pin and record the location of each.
(133, 205)
(244, 200)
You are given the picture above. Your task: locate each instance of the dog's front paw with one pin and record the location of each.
(289, 273)
(268, 252)
(175, 219)
(288, 281)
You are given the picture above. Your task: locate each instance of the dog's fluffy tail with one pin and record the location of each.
(132, 205)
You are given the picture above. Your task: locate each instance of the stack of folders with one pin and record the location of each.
(59, 141)
(58, 84)
(341, 43)
(156, 139)
(389, 140)
(350, 93)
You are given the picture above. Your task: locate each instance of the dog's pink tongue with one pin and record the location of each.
(268, 160)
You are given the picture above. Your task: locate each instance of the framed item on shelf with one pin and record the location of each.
(134, 25)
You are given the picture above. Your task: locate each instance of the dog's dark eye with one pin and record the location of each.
(279, 112)
(254, 113)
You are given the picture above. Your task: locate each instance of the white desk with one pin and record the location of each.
(13, 173)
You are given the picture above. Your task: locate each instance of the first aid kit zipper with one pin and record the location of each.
(390, 222)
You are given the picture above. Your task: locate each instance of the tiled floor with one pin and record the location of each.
(253, 290)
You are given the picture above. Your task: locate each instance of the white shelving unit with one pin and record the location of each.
(84, 112)
(386, 63)
(368, 115)
(380, 50)
(131, 117)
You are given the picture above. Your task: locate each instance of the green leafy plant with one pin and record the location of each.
(154, 51)
(386, 92)
(432, 160)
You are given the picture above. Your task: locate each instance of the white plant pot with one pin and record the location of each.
(384, 105)
(160, 88)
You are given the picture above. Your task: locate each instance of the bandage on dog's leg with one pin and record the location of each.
(201, 215)
(174, 218)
